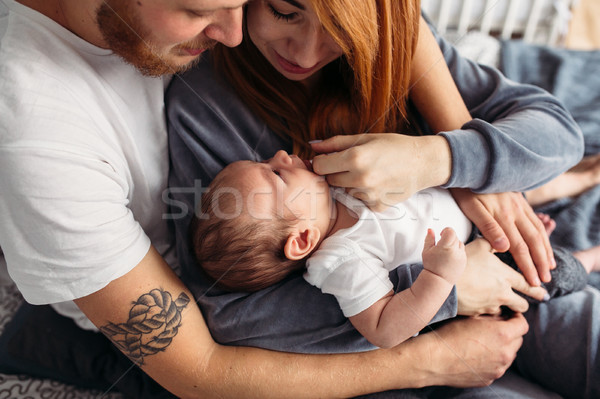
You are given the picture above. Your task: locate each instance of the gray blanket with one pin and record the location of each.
(573, 77)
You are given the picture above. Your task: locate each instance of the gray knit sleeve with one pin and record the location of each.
(520, 136)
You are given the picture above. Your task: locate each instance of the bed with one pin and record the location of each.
(522, 38)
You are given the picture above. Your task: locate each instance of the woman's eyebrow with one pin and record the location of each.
(295, 4)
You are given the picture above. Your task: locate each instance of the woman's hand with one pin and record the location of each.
(488, 283)
(508, 222)
(383, 169)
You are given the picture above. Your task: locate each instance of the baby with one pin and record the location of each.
(259, 222)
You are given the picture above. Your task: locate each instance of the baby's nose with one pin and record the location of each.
(282, 156)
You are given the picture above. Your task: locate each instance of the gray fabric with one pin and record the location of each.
(570, 75)
(573, 77)
(568, 276)
(560, 351)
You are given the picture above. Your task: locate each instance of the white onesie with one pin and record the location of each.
(354, 263)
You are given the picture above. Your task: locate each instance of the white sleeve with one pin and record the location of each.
(66, 229)
(341, 268)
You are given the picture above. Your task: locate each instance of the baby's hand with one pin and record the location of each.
(448, 258)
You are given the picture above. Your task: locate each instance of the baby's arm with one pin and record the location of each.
(397, 317)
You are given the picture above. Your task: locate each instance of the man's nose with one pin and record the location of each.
(226, 27)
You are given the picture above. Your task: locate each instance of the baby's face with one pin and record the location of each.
(284, 185)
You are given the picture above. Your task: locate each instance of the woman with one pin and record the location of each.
(249, 105)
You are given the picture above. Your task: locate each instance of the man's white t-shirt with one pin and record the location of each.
(83, 162)
(353, 264)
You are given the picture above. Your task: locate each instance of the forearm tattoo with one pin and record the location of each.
(153, 322)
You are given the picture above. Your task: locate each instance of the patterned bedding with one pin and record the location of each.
(22, 386)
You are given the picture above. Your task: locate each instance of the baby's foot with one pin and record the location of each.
(549, 223)
(580, 178)
(589, 258)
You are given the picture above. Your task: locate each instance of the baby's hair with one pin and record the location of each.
(240, 253)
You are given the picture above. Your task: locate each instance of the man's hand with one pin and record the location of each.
(488, 283)
(508, 222)
(474, 351)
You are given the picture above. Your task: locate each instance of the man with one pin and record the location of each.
(83, 164)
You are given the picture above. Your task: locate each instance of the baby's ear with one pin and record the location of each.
(301, 243)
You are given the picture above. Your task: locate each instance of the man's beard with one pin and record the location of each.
(126, 37)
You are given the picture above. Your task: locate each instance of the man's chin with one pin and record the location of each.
(158, 67)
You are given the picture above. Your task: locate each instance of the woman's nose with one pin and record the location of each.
(307, 50)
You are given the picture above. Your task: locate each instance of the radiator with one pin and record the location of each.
(535, 21)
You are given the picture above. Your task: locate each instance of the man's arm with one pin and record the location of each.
(186, 360)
